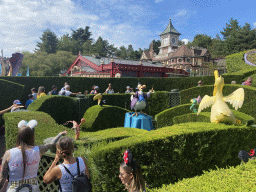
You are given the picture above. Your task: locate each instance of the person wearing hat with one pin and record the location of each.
(128, 89)
(96, 89)
(17, 106)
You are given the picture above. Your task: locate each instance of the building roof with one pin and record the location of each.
(182, 51)
(170, 29)
(106, 60)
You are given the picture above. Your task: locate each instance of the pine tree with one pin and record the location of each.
(49, 42)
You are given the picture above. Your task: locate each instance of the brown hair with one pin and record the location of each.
(65, 146)
(25, 137)
(137, 182)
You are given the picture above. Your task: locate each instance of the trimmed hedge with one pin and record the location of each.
(235, 62)
(47, 127)
(239, 178)
(249, 98)
(205, 117)
(170, 154)
(9, 92)
(60, 108)
(102, 117)
(165, 118)
(88, 138)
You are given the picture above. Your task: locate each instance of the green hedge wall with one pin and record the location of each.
(165, 118)
(108, 135)
(235, 62)
(9, 92)
(249, 98)
(170, 154)
(205, 117)
(103, 117)
(239, 178)
(60, 108)
(47, 127)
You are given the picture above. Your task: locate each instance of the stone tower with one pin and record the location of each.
(169, 40)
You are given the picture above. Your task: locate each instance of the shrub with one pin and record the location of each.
(47, 127)
(9, 92)
(60, 108)
(235, 62)
(170, 154)
(205, 117)
(239, 178)
(102, 117)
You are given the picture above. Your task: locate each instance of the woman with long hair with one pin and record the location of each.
(21, 163)
(68, 169)
(41, 92)
(130, 174)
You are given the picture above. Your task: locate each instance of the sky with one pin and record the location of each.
(121, 22)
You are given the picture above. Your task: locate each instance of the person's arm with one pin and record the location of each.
(4, 169)
(46, 147)
(53, 172)
(8, 109)
(86, 168)
(75, 93)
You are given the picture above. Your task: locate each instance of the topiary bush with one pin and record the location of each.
(47, 127)
(60, 108)
(239, 178)
(169, 154)
(103, 117)
(9, 92)
(205, 117)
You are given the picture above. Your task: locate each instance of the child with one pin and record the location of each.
(17, 106)
(29, 101)
(34, 93)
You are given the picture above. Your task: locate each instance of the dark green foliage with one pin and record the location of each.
(239, 178)
(9, 92)
(49, 42)
(47, 127)
(205, 117)
(165, 118)
(60, 108)
(103, 117)
(170, 154)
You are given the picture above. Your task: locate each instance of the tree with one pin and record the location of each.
(122, 52)
(100, 47)
(156, 45)
(181, 42)
(202, 40)
(65, 43)
(217, 49)
(130, 52)
(78, 38)
(231, 28)
(88, 47)
(49, 42)
(112, 50)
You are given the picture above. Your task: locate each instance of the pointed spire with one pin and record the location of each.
(170, 29)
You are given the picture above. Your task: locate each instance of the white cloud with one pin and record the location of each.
(23, 22)
(254, 24)
(181, 13)
(157, 1)
(185, 41)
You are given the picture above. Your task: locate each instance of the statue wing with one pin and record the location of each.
(236, 99)
(206, 102)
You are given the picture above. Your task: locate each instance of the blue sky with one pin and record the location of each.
(121, 22)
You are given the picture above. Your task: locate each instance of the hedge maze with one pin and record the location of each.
(184, 152)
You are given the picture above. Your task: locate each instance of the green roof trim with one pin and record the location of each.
(170, 29)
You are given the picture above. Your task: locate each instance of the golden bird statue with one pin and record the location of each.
(220, 111)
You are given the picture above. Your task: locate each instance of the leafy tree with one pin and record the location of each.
(100, 47)
(217, 49)
(156, 45)
(122, 52)
(49, 42)
(202, 40)
(65, 43)
(88, 47)
(130, 52)
(231, 28)
(112, 50)
(181, 42)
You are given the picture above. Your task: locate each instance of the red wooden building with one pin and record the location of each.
(89, 66)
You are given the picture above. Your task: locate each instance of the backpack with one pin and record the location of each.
(80, 182)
